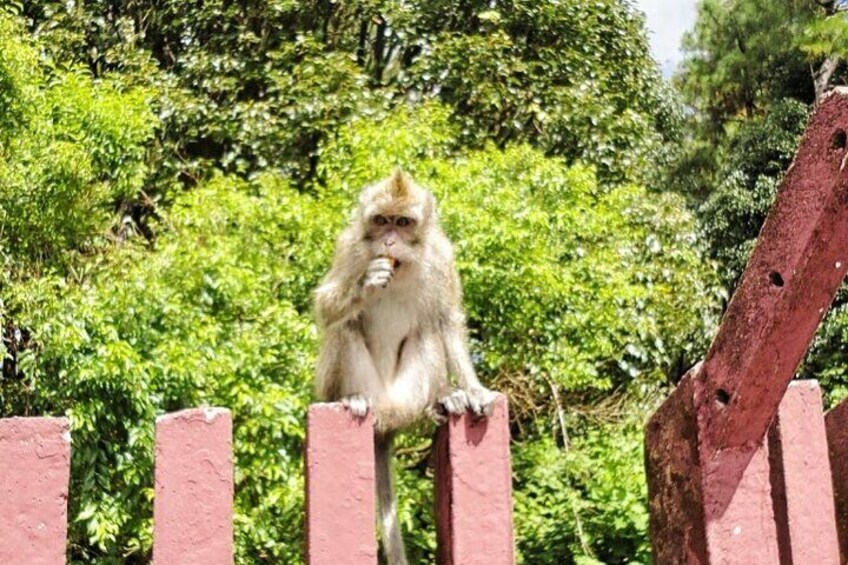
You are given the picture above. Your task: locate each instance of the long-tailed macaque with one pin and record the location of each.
(394, 328)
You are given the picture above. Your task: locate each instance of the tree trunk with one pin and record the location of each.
(821, 78)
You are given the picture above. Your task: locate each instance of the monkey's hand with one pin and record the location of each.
(379, 274)
(481, 401)
(357, 404)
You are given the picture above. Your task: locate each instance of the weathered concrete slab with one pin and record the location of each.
(35, 465)
(340, 487)
(474, 490)
(193, 504)
(836, 422)
(801, 483)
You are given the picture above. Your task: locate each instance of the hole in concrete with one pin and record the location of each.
(722, 397)
(840, 139)
(776, 279)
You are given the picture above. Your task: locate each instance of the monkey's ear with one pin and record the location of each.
(399, 184)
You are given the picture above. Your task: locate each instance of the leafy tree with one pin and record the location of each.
(247, 86)
(744, 55)
(70, 151)
(758, 156)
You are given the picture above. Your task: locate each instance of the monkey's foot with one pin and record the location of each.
(357, 404)
(481, 401)
(454, 403)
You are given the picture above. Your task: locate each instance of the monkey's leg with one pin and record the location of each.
(419, 376)
(360, 386)
(479, 399)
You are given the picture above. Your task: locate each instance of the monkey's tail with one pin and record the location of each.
(387, 501)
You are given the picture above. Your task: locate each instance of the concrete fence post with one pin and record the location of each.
(35, 463)
(193, 504)
(836, 423)
(706, 449)
(800, 478)
(340, 488)
(474, 490)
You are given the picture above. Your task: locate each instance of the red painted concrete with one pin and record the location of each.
(474, 490)
(683, 528)
(705, 449)
(801, 482)
(836, 423)
(35, 463)
(340, 488)
(193, 506)
(792, 276)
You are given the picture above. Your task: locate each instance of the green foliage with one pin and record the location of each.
(247, 86)
(558, 74)
(760, 153)
(70, 150)
(585, 503)
(826, 37)
(206, 319)
(536, 125)
(218, 313)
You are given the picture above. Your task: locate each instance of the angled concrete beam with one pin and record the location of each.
(705, 447)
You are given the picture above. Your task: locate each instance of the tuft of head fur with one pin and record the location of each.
(399, 185)
(397, 195)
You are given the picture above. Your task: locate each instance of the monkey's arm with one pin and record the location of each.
(473, 394)
(341, 296)
(455, 340)
(456, 351)
(337, 302)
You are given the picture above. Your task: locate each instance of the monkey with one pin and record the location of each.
(394, 332)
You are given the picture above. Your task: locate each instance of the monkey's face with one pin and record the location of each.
(393, 235)
(395, 216)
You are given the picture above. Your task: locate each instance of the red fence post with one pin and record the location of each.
(35, 464)
(340, 489)
(705, 445)
(474, 490)
(193, 504)
(800, 470)
(836, 423)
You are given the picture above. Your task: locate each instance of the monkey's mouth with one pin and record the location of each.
(395, 261)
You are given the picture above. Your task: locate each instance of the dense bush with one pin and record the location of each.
(70, 151)
(206, 318)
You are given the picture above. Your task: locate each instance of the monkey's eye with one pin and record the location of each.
(380, 220)
(403, 221)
